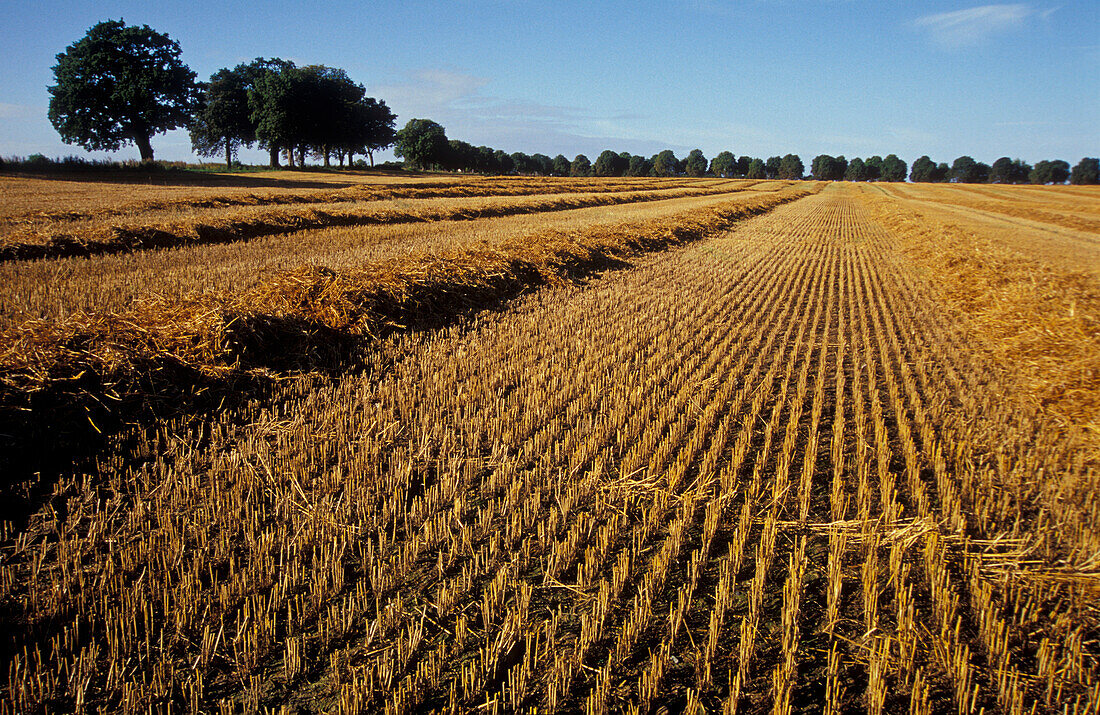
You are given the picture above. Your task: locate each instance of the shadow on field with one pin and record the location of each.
(49, 435)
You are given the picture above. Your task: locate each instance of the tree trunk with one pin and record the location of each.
(273, 153)
(371, 155)
(144, 147)
(326, 153)
(228, 156)
(301, 157)
(290, 158)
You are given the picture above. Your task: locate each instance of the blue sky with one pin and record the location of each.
(756, 77)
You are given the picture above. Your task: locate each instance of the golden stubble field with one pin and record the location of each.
(574, 446)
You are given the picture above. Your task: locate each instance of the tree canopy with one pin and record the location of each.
(967, 171)
(791, 167)
(724, 164)
(828, 168)
(120, 84)
(1050, 172)
(666, 164)
(695, 164)
(1087, 171)
(580, 166)
(893, 168)
(1008, 171)
(223, 122)
(422, 143)
(608, 163)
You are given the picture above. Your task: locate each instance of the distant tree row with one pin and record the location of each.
(837, 168)
(965, 170)
(120, 84)
(313, 110)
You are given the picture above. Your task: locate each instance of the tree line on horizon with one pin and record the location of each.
(121, 84)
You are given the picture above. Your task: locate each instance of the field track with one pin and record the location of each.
(766, 471)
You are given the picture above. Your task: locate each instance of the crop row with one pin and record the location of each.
(760, 472)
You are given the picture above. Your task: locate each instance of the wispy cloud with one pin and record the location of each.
(464, 104)
(973, 26)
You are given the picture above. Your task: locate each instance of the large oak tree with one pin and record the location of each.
(120, 84)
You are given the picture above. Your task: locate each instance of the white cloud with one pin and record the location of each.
(964, 28)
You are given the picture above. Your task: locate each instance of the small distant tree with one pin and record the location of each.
(791, 167)
(524, 163)
(120, 84)
(724, 165)
(639, 166)
(893, 168)
(856, 171)
(666, 164)
(1009, 171)
(828, 168)
(504, 163)
(695, 164)
(1087, 171)
(561, 166)
(461, 156)
(422, 143)
(771, 167)
(1050, 172)
(965, 170)
(608, 163)
(544, 165)
(874, 167)
(922, 170)
(580, 166)
(756, 170)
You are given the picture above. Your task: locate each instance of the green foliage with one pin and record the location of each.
(544, 164)
(757, 170)
(1087, 171)
(874, 168)
(580, 166)
(893, 168)
(639, 166)
(695, 164)
(1009, 171)
(422, 143)
(121, 84)
(791, 167)
(666, 164)
(828, 168)
(724, 165)
(223, 122)
(771, 167)
(856, 171)
(1050, 172)
(967, 171)
(923, 169)
(561, 166)
(608, 163)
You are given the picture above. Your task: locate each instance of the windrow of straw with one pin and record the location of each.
(248, 224)
(457, 188)
(303, 318)
(1037, 321)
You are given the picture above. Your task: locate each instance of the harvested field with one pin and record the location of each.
(225, 222)
(754, 452)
